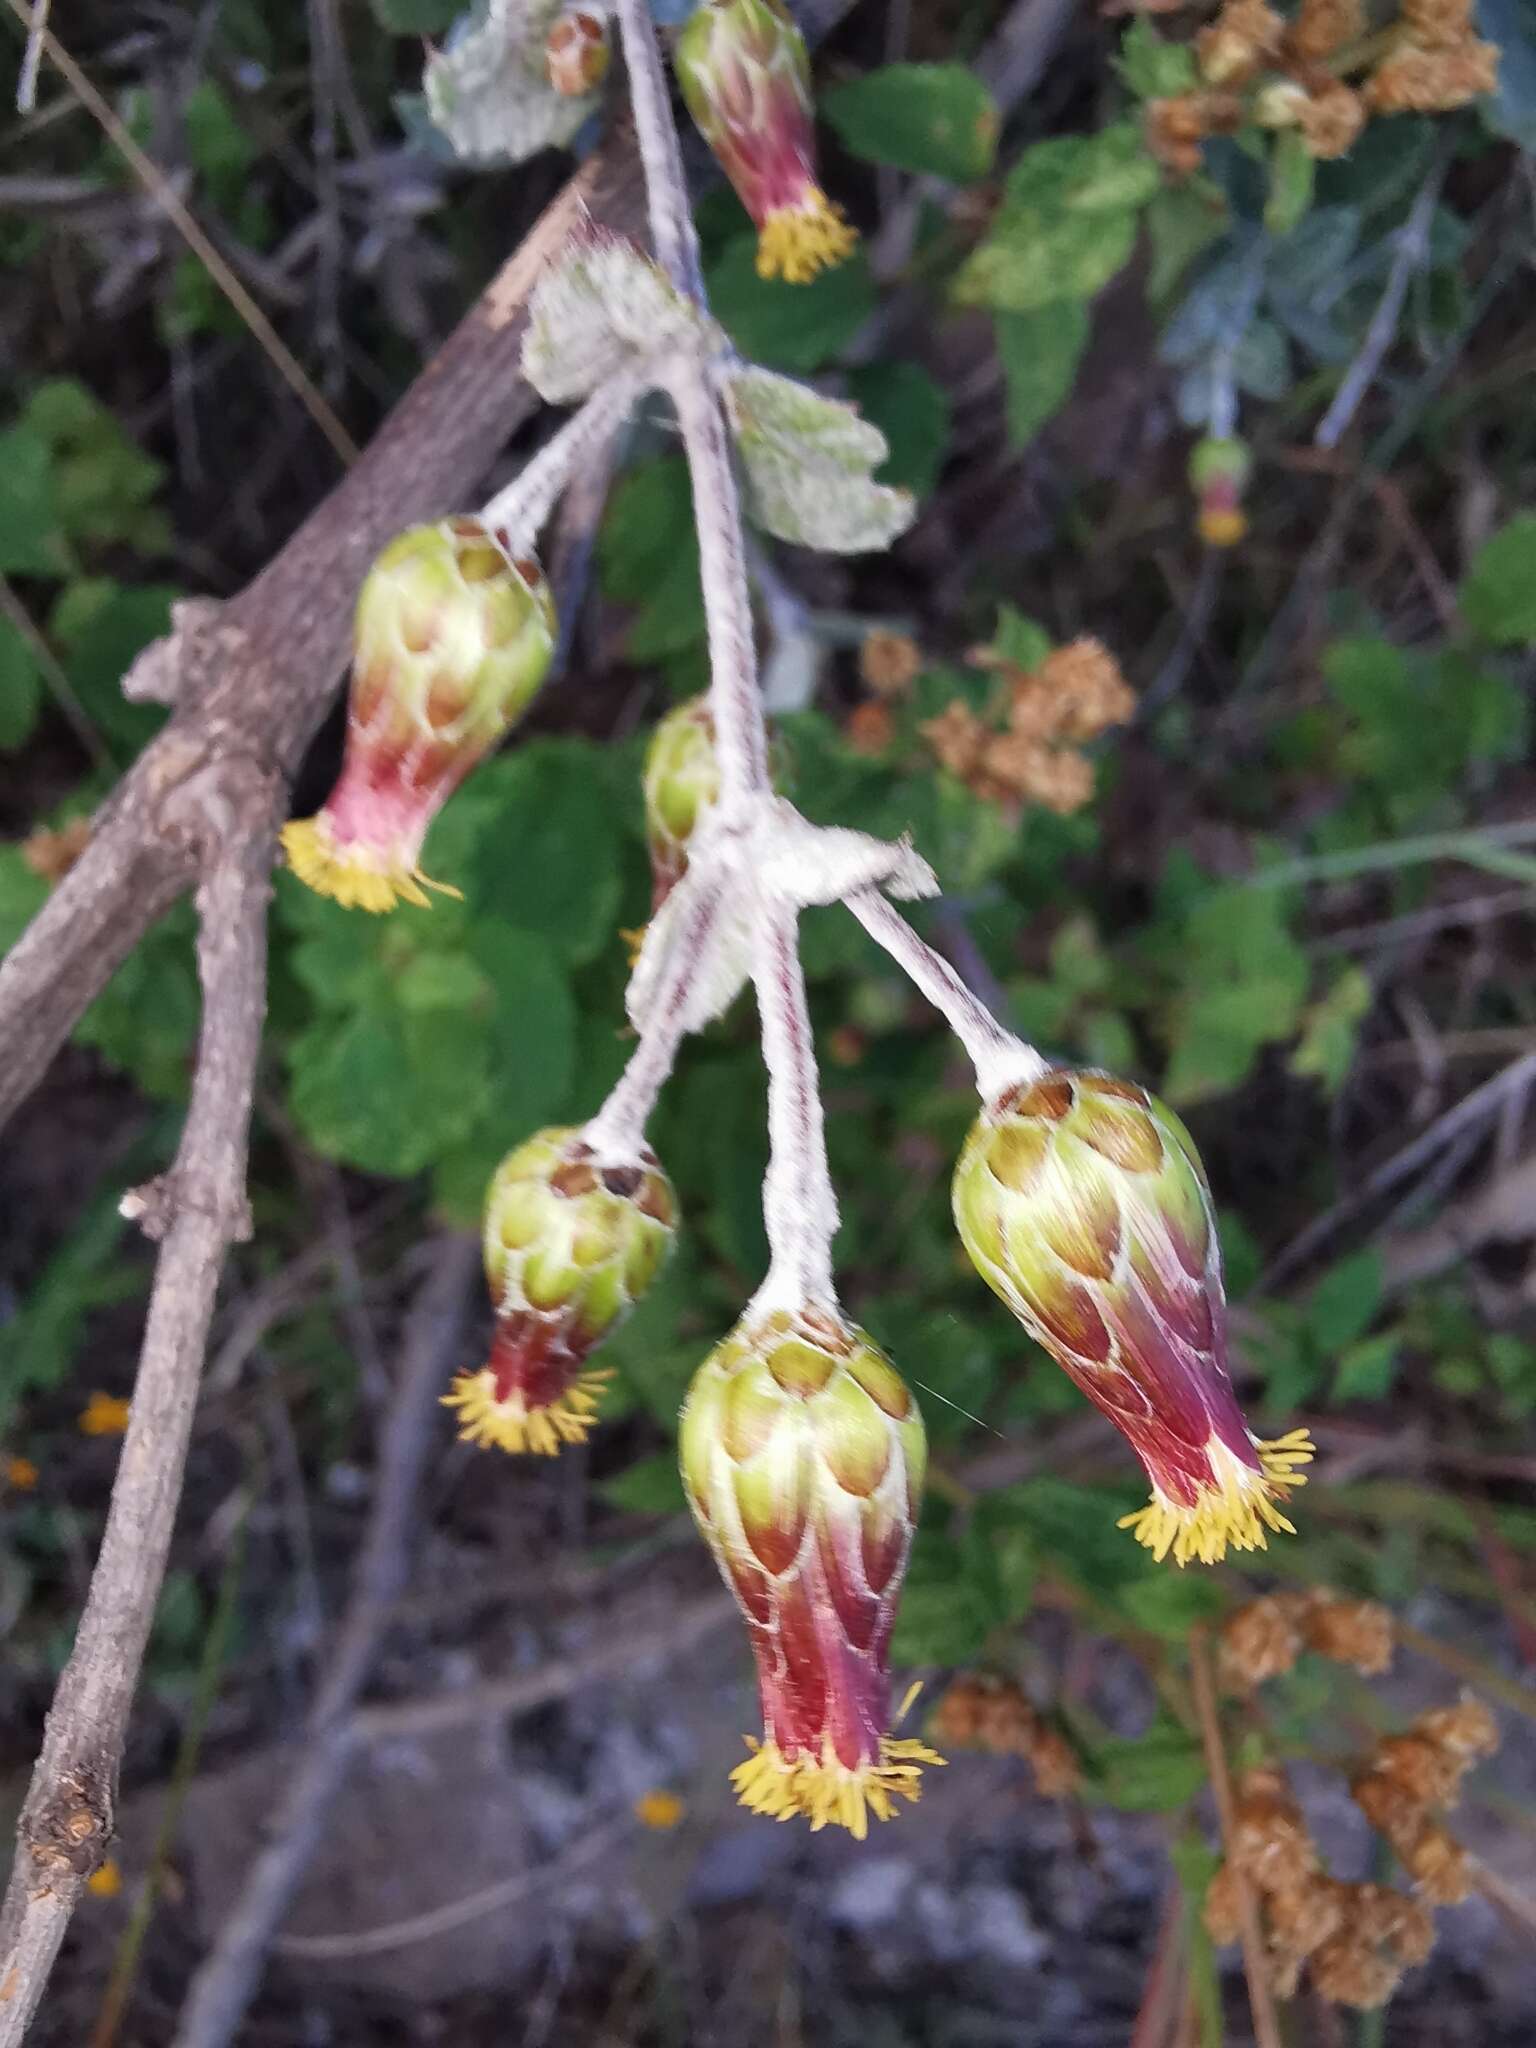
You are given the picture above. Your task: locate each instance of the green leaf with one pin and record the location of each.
(547, 858)
(789, 326)
(1292, 176)
(1150, 1773)
(1152, 67)
(1182, 220)
(1367, 1369)
(1498, 593)
(648, 553)
(1344, 1303)
(20, 688)
(1331, 1032)
(912, 411)
(1034, 259)
(531, 1030)
(1040, 352)
(390, 1092)
(1018, 639)
(944, 1616)
(22, 895)
(145, 1019)
(31, 543)
(937, 119)
(651, 1486)
(101, 626)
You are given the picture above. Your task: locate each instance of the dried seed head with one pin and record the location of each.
(1439, 24)
(1392, 1922)
(1259, 1642)
(992, 1714)
(1176, 127)
(1083, 687)
(1354, 1632)
(1323, 26)
(1427, 1773)
(1271, 1842)
(1330, 120)
(1466, 1730)
(1081, 1201)
(1239, 42)
(1440, 1867)
(1389, 1807)
(1222, 1911)
(889, 663)
(870, 728)
(1300, 1920)
(50, 854)
(1348, 1971)
(1413, 80)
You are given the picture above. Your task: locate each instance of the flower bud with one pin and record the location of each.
(1081, 1201)
(577, 52)
(682, 779)
(452, 639)
(746, 79)
(803, 1457)
(572, 1240)
(1219, 469)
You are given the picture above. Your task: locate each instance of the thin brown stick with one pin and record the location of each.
(226, 1981)
(1266, 2025)
(197, 1211)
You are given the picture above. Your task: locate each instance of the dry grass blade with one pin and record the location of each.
(154, 181)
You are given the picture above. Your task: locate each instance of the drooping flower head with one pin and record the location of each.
(803, 1457)
(1220, 468)
(572, 1240)
(1082, 1202)
(682, 780)
(746, 78)
(452, 639)
(577, 52)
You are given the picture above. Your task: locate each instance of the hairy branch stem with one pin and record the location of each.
(799, 1206)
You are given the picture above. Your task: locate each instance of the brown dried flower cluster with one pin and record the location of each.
(1263, 1639)
(992, 1714)
(1076, 693)
(1355, 1940)
(1413, 1775)
(1255, 65)
(889, 662)
(52, 854)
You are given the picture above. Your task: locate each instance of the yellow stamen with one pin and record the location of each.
(1222, 526)
(1235, 1510)
(828, 1792)
(354, 882)
(797, 242)
(512, 1425)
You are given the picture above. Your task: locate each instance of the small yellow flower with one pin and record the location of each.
(20, 1473)
(659, 1810)
(106, 1882)
(103, 1415)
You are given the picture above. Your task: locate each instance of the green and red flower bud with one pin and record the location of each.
(577, 52)
(1219, 470)
(1082, 1203)
(452, 639)
(682, 781)
(746, 79)
(803, 1456)
(572, 1240)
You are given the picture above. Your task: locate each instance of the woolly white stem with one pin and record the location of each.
(619, 1126)
(1001, 1060)
(799, 1206)
(525, 503)
(666, 188)
(741, 742)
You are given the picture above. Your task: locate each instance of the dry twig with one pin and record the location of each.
(223, 1985)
